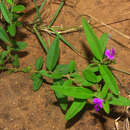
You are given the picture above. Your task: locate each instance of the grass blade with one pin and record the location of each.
(66, 42)
(41, 40)
(37, 11)
(57, 12)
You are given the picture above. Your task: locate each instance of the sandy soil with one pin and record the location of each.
(23, 109)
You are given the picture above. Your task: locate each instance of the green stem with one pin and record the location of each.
(37, 11)
(42, 5)
(57, 12)
(40, 38)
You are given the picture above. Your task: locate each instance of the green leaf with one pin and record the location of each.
(53, 54)
(63, 101)
(119, 101)
(19, 45)
(37, 11)
(72, 91)
(103, 42)
(75, 108)
(18, 24)
(36, 76)
(93, 68)
(56, 75)
(39, 63)
(68, 82)
(72, 66)
(66, 42)
(41, 39)
(80, 80)
(12, 29)
(5, 12)
(89, 76)
(109, 78)
(3, 54)
(62, 68)
(45, 73)
(26, 69)
(18, 8)
(16, 61)
(9, 2)
(104, 91)
(37, 83)
(92, 40)
(3, 35)
(106, 107)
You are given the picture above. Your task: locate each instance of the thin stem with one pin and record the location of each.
(37, 11)
(57, 12)
(113, 29)
(42, 5)
(40, 38)
(122, 71)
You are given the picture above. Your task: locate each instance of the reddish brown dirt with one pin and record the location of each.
(23, 109)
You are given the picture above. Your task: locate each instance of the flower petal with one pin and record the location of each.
(107, 52)
(113, 52)
(96, 107)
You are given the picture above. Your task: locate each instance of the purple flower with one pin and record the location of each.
(98, 103)
(110, 53)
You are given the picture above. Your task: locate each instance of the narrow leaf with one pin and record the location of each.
(109, 78)
(37, 83)
(80, 80)
(5, 12)
(41, 39)
(56, 75)
(18, 8)
(3, 35)
(104, 91)
(72, 91)
(37, 10)
(62, 68)
(36, 76)
(119, 101)
(12, 29)
(75, 108)
(106, 107)
(66, 42)
(53, 54)
(72, 66)
(10, 2)
(92, 40)
(39, 63)
(68, 82)
(62, 100)
(89, 76)
(16, 61)
(103, 42)
(45, 73)
(19, 45)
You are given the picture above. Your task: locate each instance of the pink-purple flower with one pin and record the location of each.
(110, 53)
(98, 103)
